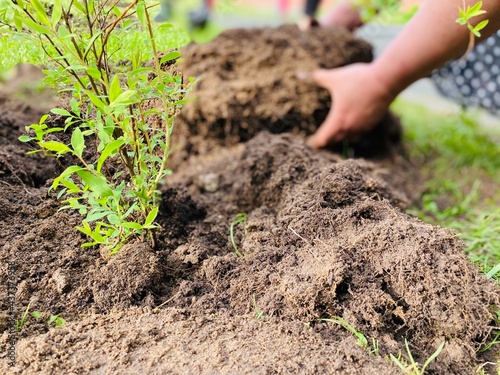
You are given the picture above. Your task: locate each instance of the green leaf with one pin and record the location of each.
(67, 172)
(151, 216)
(40, 11)
(481, 25)
(36, 314)
(60, 111)
(113, 219)
(94, 73)
(72, 187)
(462, 12)
(56, 13)
(57, 147)
(93, 216)
(170, 56)
(97, 184)
(24, 138)
(18, 21)
(477, 6)
(125, 98)
(79, 6)
(33, 26)
(91, 42)
(114, 88)
(95, 99)
(77, 142)
(63, 32)
(141, 15)
(85, 229)
(132, 225)
(108, 151)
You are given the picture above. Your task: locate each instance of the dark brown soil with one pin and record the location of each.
(324, 236)
(247, 83)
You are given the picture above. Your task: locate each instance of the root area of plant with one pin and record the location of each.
(324, 236)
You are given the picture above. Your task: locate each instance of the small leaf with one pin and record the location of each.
(60, 111)
(36, 314)
(151, 216)
(94, 73)
(58, 147)
(108, 151)
(141, 15)
(24, 138)
(77, 142)
(481, 25)
(97, 184)
(67, 172)
(33, 26)
(93, 216)
(95, 99)
(132, 225)
(91, 42)
(170, 56)
(56, 13)
(114, 88)
(40, 11)
(125, 98)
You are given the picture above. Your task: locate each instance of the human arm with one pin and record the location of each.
(362, 93)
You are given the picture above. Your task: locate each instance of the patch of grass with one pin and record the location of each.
(410, 366)
(240, 218)
(460, 160)
(362, 340)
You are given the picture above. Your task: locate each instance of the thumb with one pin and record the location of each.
(330, 131)
(323, 78)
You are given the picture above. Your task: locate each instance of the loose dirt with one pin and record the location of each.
(324, 237)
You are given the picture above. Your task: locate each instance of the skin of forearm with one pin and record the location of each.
(429, 40)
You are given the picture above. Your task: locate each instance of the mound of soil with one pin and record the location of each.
(323, 237)
(248, 83)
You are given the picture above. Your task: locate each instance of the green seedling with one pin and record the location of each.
(466, 15)
(496, 338)
(410, 367)
(57, 320)
(470, 12)
(258, 312)
(20, 323)
(362, 341)
(120, 119)
(240, 218)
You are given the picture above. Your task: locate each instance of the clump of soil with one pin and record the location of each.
(248, 83)
(324, 236)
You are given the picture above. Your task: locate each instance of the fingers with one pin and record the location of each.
(323, 78)
(330, 132)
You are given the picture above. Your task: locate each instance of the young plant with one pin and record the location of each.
(240, 218)
(362, 341)
(20, 323)
(412, 368)
(57, 319)
(120, 115)
(466, 15)
(259, 314)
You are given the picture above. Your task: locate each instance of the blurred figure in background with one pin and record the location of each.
(198, 18)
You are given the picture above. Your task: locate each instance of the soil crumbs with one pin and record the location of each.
(324, 237)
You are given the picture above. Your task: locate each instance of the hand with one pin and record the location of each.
(343, 15)
(360, 100)
(307, 22)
